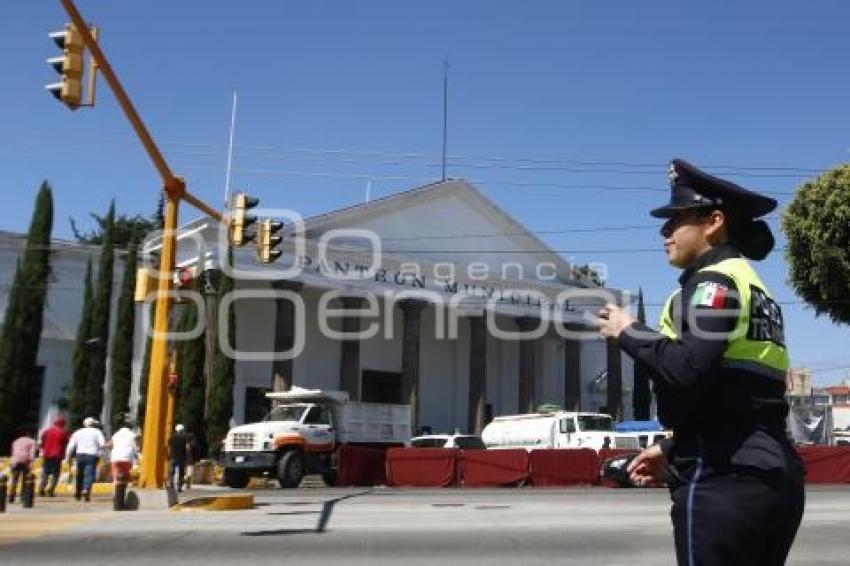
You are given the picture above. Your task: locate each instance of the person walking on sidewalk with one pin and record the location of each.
(86, 445)
(23, 453)
(52, 442)
(178, 453)
(124, 452)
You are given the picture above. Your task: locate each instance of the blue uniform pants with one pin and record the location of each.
(735, 516)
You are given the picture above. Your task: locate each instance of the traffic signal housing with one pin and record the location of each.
(267, 241)
(240, 221)
(69, 65)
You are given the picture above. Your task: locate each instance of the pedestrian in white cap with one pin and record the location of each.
(86, 445)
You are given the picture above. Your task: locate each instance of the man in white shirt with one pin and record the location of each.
(124, 452)
(86, 445)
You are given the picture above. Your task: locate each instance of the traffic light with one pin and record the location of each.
(239, 221)
(266, 240)
(69, 65)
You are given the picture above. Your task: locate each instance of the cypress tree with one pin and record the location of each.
(191, 391)
(221, 384)
(24, 318)
(8, 356)
(80, 373)
(141, 407)
(100, 320)
(121, 370)
(158, 221)
(642, 397)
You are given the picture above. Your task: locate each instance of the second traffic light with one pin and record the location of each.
(69, 65)
(267, 241)
(240, 221)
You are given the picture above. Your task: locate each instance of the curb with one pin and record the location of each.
(97, 489)
(236, 502)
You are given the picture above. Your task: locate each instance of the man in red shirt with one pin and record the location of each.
(52, 441)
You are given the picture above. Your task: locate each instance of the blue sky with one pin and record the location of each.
(563, 112)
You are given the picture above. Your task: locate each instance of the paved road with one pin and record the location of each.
(409, 527)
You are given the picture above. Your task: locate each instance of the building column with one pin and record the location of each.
(527, 377)
(349, 352)
(614, 384)
(572, 375)
(477, 374)
(284, 335)
(412, 311)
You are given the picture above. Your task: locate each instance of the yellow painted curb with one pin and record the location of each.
(235, 502)
(97, 489)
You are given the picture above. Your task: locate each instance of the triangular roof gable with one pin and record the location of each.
(448, 219)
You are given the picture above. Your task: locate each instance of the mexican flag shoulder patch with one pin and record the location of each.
(710, 294)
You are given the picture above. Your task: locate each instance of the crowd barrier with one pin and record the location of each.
(361, 466)
(564, 467)
(826, 464)
(422, 467)
(492, 468)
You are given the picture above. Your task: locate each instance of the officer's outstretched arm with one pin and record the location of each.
(705, 314)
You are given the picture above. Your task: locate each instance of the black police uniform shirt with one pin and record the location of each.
(727, 416)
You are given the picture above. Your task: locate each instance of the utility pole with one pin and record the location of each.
(152, 474)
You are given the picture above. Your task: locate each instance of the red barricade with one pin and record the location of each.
(421, 467)
(491, 468)
(564, 467)
(826, 464)
(361, 466)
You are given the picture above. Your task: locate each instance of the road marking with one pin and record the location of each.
(17, 527)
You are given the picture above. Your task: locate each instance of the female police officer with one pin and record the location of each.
(718, 364)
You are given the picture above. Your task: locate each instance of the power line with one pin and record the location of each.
(475, 181)
(658, 167)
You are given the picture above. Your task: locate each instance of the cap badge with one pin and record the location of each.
(672, 174)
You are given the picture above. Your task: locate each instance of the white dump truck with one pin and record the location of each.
(302, 432)
(558, 429)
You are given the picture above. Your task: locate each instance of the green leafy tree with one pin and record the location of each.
(100, 320)
(121, 369)
(588, 274)
(817, 226)
(220, 408)
(126, 230)
(76, 394)
(642, 397)
(24, 318)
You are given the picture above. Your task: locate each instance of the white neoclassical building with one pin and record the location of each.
(438, 281)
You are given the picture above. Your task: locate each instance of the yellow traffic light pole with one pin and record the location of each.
(155, 434)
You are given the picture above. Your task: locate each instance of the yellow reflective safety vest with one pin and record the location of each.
(757, 342)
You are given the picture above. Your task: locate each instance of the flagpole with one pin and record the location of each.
(230, 151)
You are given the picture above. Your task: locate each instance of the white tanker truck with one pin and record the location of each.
(558, 429)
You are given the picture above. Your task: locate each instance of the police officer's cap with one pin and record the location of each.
(692, 188)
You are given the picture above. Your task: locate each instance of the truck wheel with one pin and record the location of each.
(329, 477)
(290, 469)
(235, 478)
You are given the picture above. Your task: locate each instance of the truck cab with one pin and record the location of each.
(301, 433)
(293, 439)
